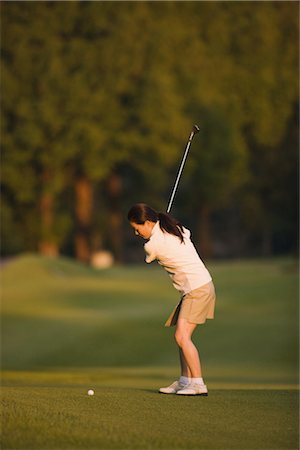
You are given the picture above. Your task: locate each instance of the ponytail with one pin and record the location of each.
(140, 212)
(170, 225)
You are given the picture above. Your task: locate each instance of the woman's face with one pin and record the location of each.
(144, 230)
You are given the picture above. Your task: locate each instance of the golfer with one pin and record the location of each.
(169, 243)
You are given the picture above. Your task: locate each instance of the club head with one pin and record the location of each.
(196, 129)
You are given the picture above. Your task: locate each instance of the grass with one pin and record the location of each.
(138, 418)
(67, 328)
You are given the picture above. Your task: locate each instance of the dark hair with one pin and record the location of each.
(140, 212)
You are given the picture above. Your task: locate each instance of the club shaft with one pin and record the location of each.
(180, 172)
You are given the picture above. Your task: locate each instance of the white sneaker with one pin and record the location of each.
(173, 388)
(193, 389)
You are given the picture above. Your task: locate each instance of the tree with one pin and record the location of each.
(33, 125)
(246, 62)
(98, 102)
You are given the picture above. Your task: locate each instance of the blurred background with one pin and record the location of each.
(98, 100)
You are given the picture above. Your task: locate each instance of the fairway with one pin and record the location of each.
(67, 328)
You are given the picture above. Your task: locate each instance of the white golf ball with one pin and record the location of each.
(91, 392)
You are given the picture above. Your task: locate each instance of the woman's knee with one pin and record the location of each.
(181, 338)
(177, 337)
(184, 331)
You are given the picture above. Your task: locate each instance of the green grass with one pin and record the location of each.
(67, 328)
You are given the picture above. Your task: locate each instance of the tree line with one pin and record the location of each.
(98, 99)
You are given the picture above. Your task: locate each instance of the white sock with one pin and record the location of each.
(197, 380)
(184, 380)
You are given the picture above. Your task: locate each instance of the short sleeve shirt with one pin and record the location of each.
(179, 259)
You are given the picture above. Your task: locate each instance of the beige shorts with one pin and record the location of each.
(196, 306)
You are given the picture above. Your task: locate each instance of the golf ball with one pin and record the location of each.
(91, 392)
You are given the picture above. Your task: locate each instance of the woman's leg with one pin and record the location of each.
(190, 357)
(185, 370)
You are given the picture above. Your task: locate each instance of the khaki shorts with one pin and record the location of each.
(196, 306)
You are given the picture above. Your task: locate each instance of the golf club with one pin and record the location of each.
(195, 130)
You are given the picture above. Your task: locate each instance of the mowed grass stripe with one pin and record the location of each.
(61, 313)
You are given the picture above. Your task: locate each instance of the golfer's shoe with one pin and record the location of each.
(193, 389)
(173, 388)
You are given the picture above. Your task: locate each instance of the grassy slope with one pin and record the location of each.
(67, 328)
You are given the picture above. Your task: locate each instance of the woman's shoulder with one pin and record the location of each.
(186, 232)
(162, 238)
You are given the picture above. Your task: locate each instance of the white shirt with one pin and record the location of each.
(179, 259)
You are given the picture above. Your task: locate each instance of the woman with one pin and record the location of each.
(169, 243)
